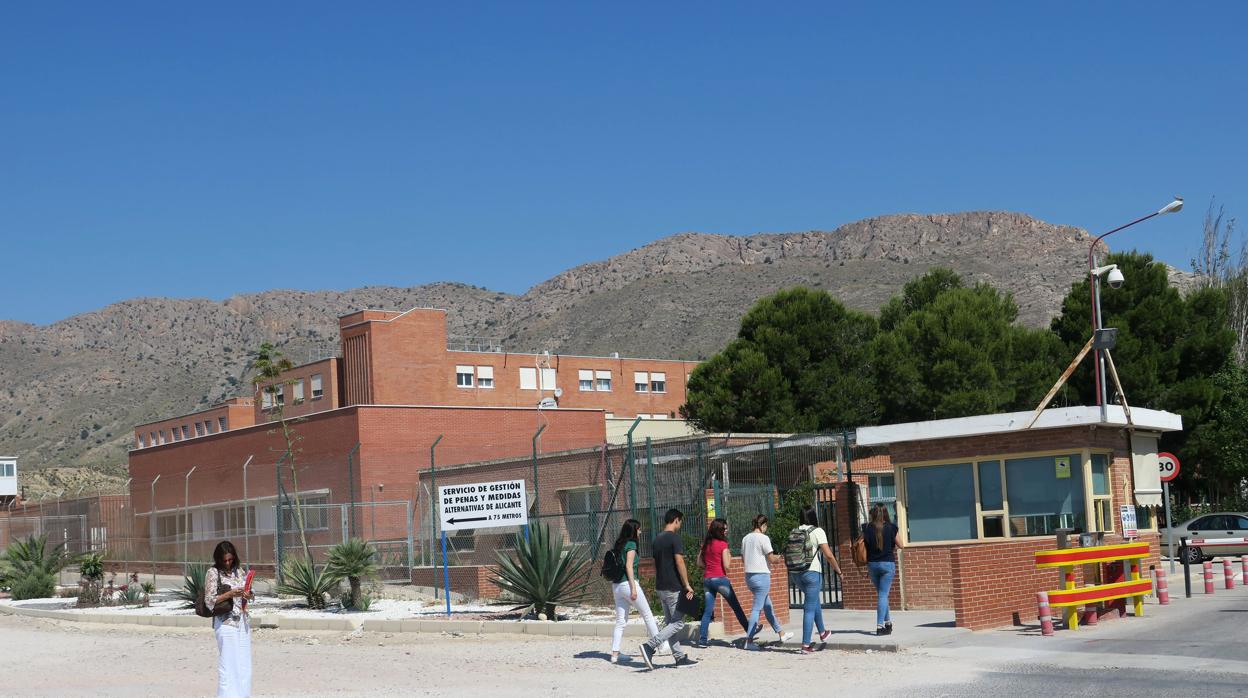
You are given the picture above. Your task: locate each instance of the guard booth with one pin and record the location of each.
(978, 497)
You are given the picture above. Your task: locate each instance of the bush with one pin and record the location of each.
(300, 577)
(352, 560)
(192, 585)
(91, 566)
(36, 584)
(29, 567)
(544, 573)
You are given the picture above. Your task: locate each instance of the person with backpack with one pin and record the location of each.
(757, 555)
(224, 593)
(672, 585)
(716, 561)
(801, 556)
(883, 539)
(620, 568)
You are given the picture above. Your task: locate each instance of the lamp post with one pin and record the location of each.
(246, 518)
(151, 525)
(1094, 282)
(373, 495)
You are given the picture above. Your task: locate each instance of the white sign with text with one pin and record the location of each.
(483, 505)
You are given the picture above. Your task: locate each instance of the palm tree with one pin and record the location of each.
(353, 559)
(30, 566)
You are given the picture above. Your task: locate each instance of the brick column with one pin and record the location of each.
(779, 597)
(857, 592)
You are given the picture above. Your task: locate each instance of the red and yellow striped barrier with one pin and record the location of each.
(1069, 597)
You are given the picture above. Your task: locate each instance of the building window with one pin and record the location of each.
(207, 426)
(1102, 506)
(463, 376)
(603, 379)
(316, 511)
(199, 428)
(658, 382)
(882, 489)
(298, 391)
(317, 388)
(658, 415)
(643, 416)
(585, 380)
(234, 520)
(222, 423)
(279, 395)
(610, 415)
(266, 399)
(138, 441)
(151, 438)
(528, 378)
(580, 514)
(162, 436)
(485, 377)
(548, 379)
(991, 499)
(940, 502)
(186, 431)
(641, 381)
(1044, 494)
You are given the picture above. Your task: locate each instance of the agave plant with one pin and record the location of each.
(192, 584)
(544, 573)
(30, 567)
(300, 577)
(352, 560)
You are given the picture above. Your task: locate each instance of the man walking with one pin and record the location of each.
(671, 582)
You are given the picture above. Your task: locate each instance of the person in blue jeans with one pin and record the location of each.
(756, 556)
(811, 580)
(882, 539)
(716, 561)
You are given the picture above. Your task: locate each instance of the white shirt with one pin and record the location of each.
(754, 549)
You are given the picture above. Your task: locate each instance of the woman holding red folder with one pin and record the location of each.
(225, 581)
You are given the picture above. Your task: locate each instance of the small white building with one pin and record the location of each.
(8, 478)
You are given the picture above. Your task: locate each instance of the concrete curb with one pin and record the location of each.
(408, 625)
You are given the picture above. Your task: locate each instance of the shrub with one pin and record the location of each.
(545, 573)
(149, 588)
(30, 567)
(36, 584)
(300, 577)
(91, 566)
(352, 560)
(131, 594)
(192, 585)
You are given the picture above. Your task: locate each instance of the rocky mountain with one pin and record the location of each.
(70, 392)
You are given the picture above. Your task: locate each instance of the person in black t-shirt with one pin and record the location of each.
(671, 582)
(882, 539)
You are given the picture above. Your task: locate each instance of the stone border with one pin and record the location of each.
(410, 625)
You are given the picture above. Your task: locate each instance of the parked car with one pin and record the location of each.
(1210, 527)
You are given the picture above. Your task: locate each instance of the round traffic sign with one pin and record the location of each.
(1169, 466)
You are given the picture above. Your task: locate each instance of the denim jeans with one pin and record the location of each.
(882, 574)
(812, 610)
(721, 586)
(760, 586)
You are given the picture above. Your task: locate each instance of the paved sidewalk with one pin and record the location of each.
(855, 630)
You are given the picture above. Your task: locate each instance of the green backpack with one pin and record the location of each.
(798, 554)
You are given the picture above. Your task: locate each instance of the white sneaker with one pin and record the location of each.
(785, 637)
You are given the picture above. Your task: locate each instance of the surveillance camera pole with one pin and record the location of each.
(1094, 283)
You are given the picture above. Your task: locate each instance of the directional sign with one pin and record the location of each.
(1169, 466)
(483, 505)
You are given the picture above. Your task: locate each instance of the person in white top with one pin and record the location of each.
(757, 554)
(232, 628)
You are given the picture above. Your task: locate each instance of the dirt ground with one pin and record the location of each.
(58, 658)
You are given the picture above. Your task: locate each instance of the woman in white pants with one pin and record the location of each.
(233, 630)
(627, 589)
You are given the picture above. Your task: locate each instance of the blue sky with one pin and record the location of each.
(150, 149)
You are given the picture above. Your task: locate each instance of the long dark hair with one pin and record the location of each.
(879, 519)
(218, 556)
(631, 530)
(760, 521)
(718, 530)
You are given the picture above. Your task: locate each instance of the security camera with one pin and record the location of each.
(1115, 278)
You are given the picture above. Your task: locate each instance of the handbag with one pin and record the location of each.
(222, 608)
(858, 551)
(688, 606)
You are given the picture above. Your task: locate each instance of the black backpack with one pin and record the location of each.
(612, 566)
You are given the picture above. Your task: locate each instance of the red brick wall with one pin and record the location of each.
(238, 413)
(779, 597)
(473, 581)
(328, 370)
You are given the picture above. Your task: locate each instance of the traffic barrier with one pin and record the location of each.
(1163, 588)
(1070, 597)
(1228, 574)
(1045, 615)
(1208, 577)
(1243, 570)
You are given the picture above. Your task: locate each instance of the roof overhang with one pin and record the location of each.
(987, 424)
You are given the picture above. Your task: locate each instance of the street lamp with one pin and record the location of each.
(186, 518)
(151, 526)
(373, 495)
(1116, 280)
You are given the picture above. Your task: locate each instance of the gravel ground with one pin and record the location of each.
(58, 658)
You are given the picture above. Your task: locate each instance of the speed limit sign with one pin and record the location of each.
(1169, 466)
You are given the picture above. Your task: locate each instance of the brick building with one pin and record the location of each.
(366, 421)
(977, 497)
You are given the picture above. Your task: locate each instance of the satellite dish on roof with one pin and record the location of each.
(547, 403)
(558, 392)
